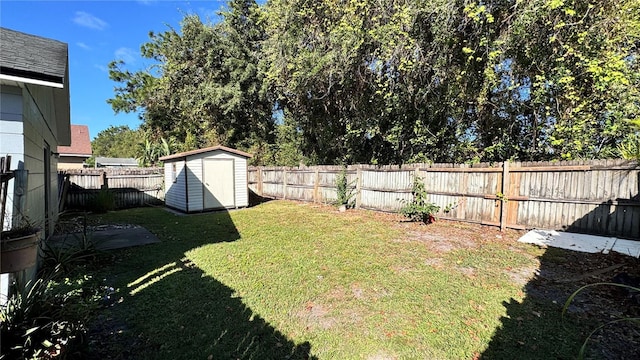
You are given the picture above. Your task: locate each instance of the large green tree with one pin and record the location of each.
(117, 141)
(205, 84)
(392, 81)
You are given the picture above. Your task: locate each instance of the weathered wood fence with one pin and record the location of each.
(130, 187)
(600, 197)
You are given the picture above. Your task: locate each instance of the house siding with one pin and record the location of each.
(71, 162)
(39, 120)
(11, 137)
(27, 124)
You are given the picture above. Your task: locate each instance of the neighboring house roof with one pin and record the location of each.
(29, 59)
(105, 161)
(33, 57)
(200, 151)
(80, 142)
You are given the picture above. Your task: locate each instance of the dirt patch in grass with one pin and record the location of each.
(381, 355)
(466, 271)
(436, 263)
(439, 243)
(316, 316)
(521, 276)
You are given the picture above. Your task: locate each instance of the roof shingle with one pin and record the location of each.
(32, 56)
(80, 142)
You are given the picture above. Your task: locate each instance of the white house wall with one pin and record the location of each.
(11, 139)
(175, 192)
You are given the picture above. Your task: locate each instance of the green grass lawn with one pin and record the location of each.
(290, 280)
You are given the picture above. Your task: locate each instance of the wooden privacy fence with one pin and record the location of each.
(598, 196)
(130, 187)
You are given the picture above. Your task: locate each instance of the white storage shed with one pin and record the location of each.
(206, 179)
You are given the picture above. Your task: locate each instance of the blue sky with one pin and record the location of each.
(97, 33)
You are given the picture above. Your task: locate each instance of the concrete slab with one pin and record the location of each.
(581, 242)
(109, 238)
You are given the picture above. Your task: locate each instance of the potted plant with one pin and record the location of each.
(19, 247)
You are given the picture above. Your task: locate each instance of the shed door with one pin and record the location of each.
(218, 183)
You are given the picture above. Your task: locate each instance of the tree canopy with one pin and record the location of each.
(392, 81)
(117, 141)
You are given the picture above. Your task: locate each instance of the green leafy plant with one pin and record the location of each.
(636, 320)
(103, 201)
(345, 191)
(630, 149)
(419, 208)
(77, 248)
(502, 197)
(45, 319)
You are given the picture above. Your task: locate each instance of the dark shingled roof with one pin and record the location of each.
(32, 57)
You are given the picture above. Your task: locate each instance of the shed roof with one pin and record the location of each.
(34, 57)
(80, 142)
(183, 155)
(106, 161)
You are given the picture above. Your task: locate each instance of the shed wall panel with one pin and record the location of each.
(175, 191)
(194, 184)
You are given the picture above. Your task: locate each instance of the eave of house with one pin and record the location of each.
(18, 79)
(60, 98)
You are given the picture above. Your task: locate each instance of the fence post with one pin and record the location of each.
(358, 186)
(284, 183)
(316, 186)
(104, 182)
(504, 190)
(259, 185)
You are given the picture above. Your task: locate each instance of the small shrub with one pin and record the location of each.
(344, 190)
(103, 201)
(419, 208)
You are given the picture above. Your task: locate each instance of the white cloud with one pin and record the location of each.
(101, 67)
(83, 45)
(125, 54)
(87, 20)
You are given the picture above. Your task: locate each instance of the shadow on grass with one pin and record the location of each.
(533, 329)
(165, 307)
